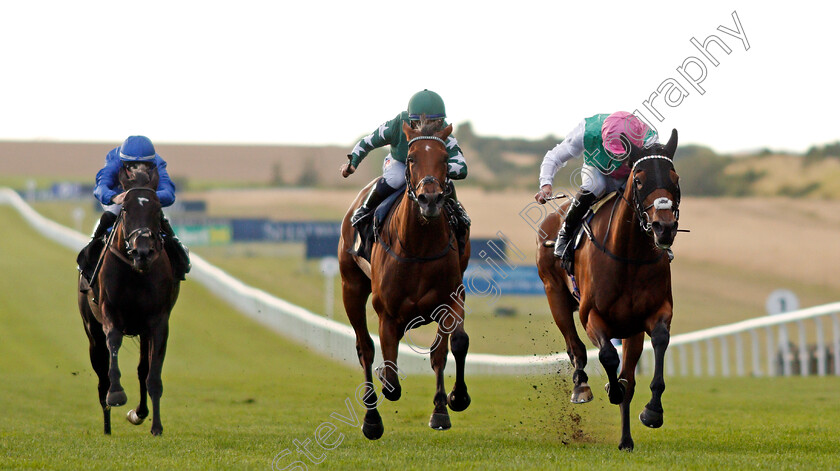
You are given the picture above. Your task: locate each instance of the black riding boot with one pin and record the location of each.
(377, 195)
(460, 220)
(89, 255)
(577, 209)
(179, 254)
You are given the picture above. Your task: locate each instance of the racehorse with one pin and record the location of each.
(132, 294)
(415, 276)
(623, 276)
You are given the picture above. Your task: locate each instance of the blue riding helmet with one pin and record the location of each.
(137, 149)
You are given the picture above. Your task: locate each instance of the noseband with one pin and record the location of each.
(131, 237)
(412, 191)
(659, 203)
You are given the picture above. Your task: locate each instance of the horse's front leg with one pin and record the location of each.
(138, 415)
(116, 394)
(660, 336)
(440, 349)
(631, 351)
(154, 384)
(459, 399)
(597, 330)
(388, 373)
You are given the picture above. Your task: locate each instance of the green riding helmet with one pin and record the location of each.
(426, 102)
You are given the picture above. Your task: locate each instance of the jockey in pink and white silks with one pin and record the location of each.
(597, 139)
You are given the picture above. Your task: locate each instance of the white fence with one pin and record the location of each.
(338, 342)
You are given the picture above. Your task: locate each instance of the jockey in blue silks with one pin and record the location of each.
(110, 193)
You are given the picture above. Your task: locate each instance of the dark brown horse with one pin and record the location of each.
(623, 275)
(132, 294)
(415, 275)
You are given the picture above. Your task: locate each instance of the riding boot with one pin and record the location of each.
(89, 255)
(577, 209)
(377, 195)
(179, 254)
(459, 219)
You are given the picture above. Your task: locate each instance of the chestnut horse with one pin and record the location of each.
(415, 276)
(623, 275)
(132, 294)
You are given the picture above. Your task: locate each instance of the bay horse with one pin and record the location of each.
(415, 277)
(132, 294)
(623, 276)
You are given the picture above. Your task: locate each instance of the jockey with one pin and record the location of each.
(426, 103)
(597, 138)
(109, 192)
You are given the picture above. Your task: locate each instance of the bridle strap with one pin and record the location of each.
(427, 138)
(641, 212)
(411, 190)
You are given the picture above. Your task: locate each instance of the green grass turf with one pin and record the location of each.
(236, 395)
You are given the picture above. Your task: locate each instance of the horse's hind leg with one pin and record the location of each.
(459, 399)
(116, 394)
(355, 291)
(157, 351)
(652, 415)
(562, 309)
(631, 351)
(440, 417)
(138, 415)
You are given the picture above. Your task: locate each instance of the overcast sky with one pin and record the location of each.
(328, 72)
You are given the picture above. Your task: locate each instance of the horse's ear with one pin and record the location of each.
(671, 146)
(124, 177)
(444, 133)
(410, 133)
(631, 151)
(154, 177)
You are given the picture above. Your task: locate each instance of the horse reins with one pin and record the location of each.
(641, 212)
(412, 195)
(132, 236)
(411, 190)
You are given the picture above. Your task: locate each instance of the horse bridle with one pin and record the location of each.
(132, 236)
(642, 212)
(411, 190)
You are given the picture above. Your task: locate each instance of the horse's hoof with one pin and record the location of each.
(617, 396)
(134, 418)
(392, 395)
(626, 445)
(440, 421)
(372, 426)
(582, 394)
(458, 403)
(116, 398)
(157, 431)
(651, 418)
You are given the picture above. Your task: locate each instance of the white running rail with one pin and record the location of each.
(338, 342)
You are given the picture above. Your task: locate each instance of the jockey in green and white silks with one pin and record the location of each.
(390, 133)
(597, 139)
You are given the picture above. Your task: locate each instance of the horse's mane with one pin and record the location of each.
(430, 127)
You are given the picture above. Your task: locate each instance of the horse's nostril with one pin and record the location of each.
(423, 199)
(439, 198)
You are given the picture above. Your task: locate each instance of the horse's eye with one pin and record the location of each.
(638, 183)
(409, 159)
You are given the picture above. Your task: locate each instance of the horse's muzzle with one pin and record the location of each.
(430, 204)
(664, 233)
